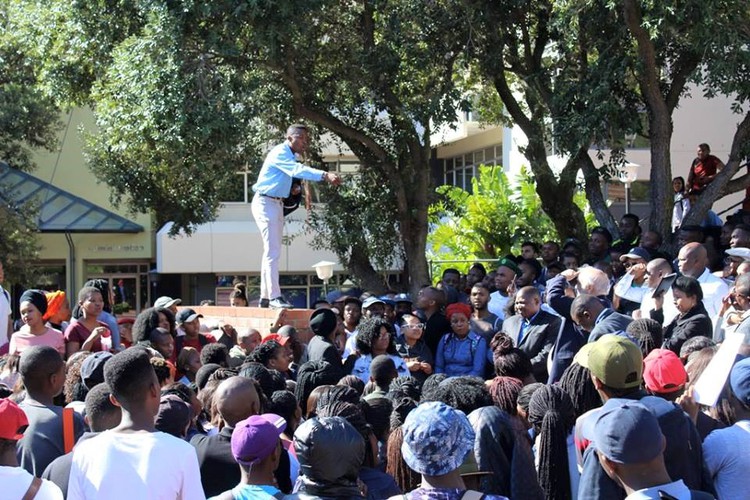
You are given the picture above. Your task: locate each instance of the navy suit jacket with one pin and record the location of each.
(609, 321)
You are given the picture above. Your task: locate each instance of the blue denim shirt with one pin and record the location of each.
(275, 178)
(465, 356)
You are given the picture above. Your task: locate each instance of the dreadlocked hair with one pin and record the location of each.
(504, 392)
(552, 415)
(404, 387)
(405, 477)
(647, 332)
(576, 381)
(354, 382)
(354, 415)
(334, 393)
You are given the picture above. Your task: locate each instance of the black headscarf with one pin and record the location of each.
(37, 298)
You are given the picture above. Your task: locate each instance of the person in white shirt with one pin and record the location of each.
(133, 460)
(15, 480)
(655, 271)
(692, 261)
(505, 279)
(630, 289)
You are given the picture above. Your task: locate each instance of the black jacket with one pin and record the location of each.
(694, 323)
(330, 453)
(219, 470)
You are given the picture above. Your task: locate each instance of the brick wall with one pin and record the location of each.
(255, 317)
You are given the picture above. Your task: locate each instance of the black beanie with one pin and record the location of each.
(37, 298)
(323, 322)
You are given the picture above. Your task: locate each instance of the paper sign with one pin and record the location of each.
(707, 389)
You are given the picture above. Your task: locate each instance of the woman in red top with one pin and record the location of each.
(85, 334)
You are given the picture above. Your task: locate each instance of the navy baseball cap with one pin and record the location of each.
(739, 381)
(627, 433)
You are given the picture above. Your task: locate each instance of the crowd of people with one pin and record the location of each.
(564, 372)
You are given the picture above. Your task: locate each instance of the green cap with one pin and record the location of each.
(614, 360)
(510, 264)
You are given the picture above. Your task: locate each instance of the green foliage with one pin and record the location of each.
(28, 119)
(358, 220)
(491, 221)
(19, 243)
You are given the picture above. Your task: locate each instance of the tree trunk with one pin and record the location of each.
(659, 119)
(366, 276)
(556, 196)
(594, 195)
(722, 185)
(413, 202)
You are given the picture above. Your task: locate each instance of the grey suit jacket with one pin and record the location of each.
(537, 341)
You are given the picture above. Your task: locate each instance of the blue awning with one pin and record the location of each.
(59, 211)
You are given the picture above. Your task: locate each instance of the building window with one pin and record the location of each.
(460, 170)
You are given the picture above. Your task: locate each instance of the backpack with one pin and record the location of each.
(291, 202)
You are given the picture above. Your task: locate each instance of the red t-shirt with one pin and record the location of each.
(77, 332)
(196, 342)
(703, 168)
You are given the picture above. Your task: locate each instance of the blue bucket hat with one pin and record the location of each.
(437, 439)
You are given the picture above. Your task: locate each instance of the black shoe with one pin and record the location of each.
(280, 303)
(264, 303)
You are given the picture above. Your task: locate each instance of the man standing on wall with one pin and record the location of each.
(273, 185)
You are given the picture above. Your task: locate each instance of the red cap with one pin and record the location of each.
(663, 371)
(275, 336)
(125, 321)
(13, 420)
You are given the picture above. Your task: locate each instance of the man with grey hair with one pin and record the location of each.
(274, 184)
(693, 261)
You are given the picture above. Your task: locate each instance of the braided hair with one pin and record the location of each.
(504, 392)
(354, 415)
(647, 332)
(404, 387)
(354, 382)
(405, 477)
(311, 375)
(552, 415)
(576, 381)
(509, 360)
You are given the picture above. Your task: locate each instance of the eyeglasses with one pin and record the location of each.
(418, 326)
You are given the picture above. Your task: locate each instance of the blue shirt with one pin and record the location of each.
(362, 367)
(465, 356)
(275, 178)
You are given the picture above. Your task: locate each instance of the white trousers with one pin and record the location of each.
(269, 216)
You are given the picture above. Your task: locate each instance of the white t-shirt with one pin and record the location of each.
(497, 304)
(142, 465)
(15, 483)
